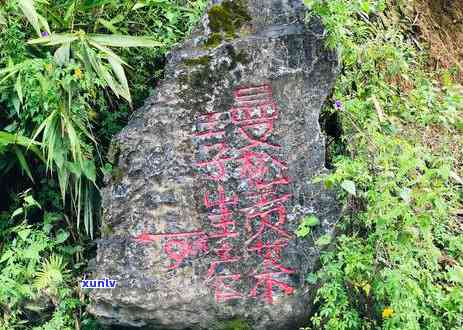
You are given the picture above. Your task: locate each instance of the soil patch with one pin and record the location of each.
(440, 25)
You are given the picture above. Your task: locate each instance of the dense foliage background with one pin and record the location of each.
(71, 73)
(394, 127)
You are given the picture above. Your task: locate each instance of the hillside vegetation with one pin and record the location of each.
(394, 127)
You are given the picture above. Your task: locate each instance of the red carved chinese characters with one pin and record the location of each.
(180, 246)
(236, 145)
(255, 115)
(219, 273)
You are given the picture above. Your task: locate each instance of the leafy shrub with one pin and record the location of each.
(35, 280)
(65, 87)
(68, 83)
(398, 264)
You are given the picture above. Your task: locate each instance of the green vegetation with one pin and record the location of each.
(71, 72)
(226, 20)
(67, 86)
(233, 325)
(398, 166)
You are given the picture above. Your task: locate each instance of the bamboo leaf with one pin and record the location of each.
(63, 179)
(139, 5)
(23, 162)
(89, 170)
(120, 74)
(108, 25)
(8, 138)
(28, 9)
(108, 52)
(62, 54)
(70, 11)
(9, 72)
(349, 186)
(44, 23)
(113, 40)
(3, 19)
(94, 3)
(54, 39)
(18, 88)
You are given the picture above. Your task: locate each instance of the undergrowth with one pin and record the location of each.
(68, 83)
(398, 263)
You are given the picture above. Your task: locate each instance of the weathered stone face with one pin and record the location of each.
(215, 174)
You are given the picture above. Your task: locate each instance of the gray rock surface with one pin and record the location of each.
(214, 175)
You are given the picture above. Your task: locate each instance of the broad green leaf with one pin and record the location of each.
(54, 39)
(47, 227)
(35, 307)
(61, 236)
(89, 170)
(311, 278)
(33, 252)
(44, 23)
(62, 54)
(74, 168)
(18, 88)
(306, 226)
(30, 201)
(17, 212)
(23, 163)
(8, 138)
(28, 9)
(9, 72)
(367, 288)
(95, 3)
(311, 221)
(108, 25)
(24, 233)
(324, 240)
(3, 19)
(303, 230)
(70, 11)
(349, 186)
(405, 194)
(456, 274)
(120, 74)
(139, 5)
(7, 255)
(63, 179)
(112, 40)
(107, 51)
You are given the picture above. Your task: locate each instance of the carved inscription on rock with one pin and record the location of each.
(247, 222)
(215, 173)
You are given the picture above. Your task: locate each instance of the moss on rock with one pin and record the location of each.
(235, 324)
(214, 40)
(225, 20)
(203, 60)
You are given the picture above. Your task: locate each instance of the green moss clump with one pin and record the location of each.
(203, 60)
(236, 324)
(106, 230)
(214, 40)
(227, 18)
(241, 57)
(117, 174)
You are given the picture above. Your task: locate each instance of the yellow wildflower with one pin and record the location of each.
(78, 73)
(92, 115)
(49, 67)
(388, 312)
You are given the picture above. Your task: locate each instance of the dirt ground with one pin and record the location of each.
(439, 24)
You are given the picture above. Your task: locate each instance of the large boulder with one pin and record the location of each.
(214, 175)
